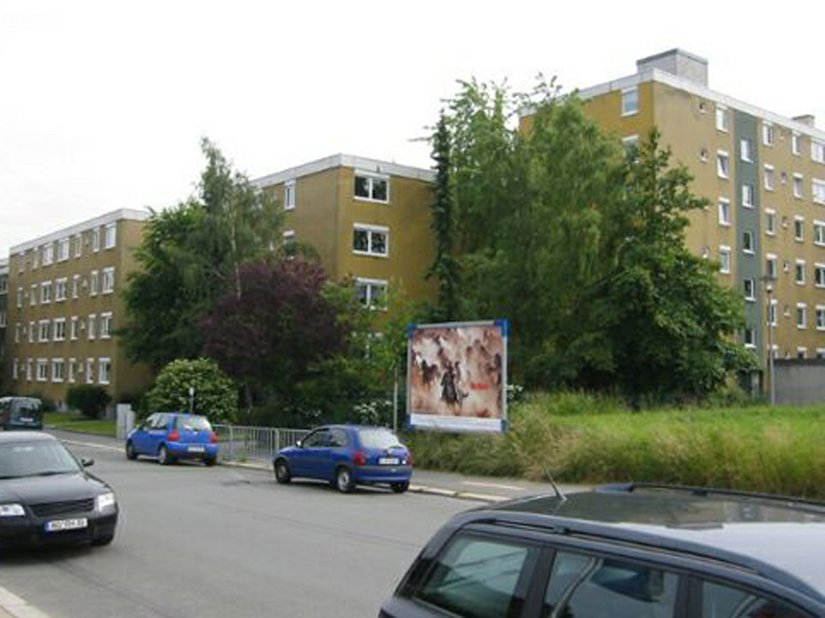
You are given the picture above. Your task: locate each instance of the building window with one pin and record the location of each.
(90, 371)
(745, 150)
(94, 283)
(75, 286)
(631, 145)
(57, 369)
(771, 271)
(770, 222)
(108, 282)
(289, 195)
(31, 332)
(90, 328)
(4, 285)
(748, 245)
(60, 289)
(28, 369)
(799, 276)
(370, 240)
(372, 187)
(724, 211)
(724, 259)
(767, 134)
(73, 328)
(750, 338)
(47, 256)
(104, 370)
(818, 151)
(111, 236)
(33, 295)
(819, 233)
(722, 164)
(15, 369)
(772, 312)
(96, 239)
(43, 331)
(770, 182)
(19, 298)
(42, 370)
(59, 333)
(796, 143)
(45, 292)
(371, 293)
(818, 191)
(78, 245)
(801, 315)
(106, 325)
(798, 190)
(17, 328)
(2, 319)
(62, 249)
(750, 289)
(630, 101)
(799, 228)
(748, 196)
(71, 368)
(722, 118)
(801, 353)
(819, 275)
(820, 317)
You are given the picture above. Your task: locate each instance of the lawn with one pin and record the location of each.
(78, 422)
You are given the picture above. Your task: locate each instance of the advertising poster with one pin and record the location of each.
(457, 376)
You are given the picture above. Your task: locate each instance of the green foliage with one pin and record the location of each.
(90, 399)
(190, 256)
(216, 396)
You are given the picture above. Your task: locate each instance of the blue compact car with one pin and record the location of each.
(346, 456)
(170, 436)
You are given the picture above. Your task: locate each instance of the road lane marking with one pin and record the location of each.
(492, 485)
(14, 606)
(105, 447)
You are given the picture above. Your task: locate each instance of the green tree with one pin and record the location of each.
(215, 395)
(90, 399)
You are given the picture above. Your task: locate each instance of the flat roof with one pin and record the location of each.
(344, 160)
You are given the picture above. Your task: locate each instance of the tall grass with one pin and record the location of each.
(580, 438)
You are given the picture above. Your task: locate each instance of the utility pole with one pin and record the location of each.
(771, 321)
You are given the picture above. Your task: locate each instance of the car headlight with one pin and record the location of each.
(11, 510)
(105, 501)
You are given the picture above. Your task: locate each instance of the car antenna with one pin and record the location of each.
(559, 493)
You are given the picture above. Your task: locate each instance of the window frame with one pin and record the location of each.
(371, 177)
(723, 206)
(371, 229)
(289, 195)
(723, 171)
(627, 110)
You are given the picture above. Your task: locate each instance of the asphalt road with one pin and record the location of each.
(224, 541)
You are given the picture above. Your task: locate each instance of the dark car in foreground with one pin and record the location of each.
(629, 551)
(346, 456)
(21, 413)
(170, 436)
(47, 497)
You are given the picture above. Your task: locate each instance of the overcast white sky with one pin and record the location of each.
(103, 104)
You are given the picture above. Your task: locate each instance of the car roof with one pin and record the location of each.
(778, 537)
(9, 437)
(355, 427)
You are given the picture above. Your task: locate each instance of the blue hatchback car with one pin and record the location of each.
(170, 436)
(346, 456)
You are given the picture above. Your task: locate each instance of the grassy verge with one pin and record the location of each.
(778, 450)
(76, 422)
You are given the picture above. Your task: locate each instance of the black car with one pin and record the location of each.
(47, 497)
(625, 551)
(21, 413)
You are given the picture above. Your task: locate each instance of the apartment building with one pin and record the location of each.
(367, 219)
(764, 175)
(64, 308)
(4, 294)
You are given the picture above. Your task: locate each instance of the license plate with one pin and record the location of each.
(26, 419)
(196, 449)
(59, 525)
(388, 461)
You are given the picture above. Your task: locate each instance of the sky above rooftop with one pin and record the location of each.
(103, 103)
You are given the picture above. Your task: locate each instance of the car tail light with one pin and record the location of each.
(359, 459)
(410, 458)
(174, 436)
(213, 438)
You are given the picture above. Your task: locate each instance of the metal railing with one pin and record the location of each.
(255, 444)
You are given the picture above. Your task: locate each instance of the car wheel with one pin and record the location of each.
(103, 540)
(131, 453)
(343, 480)
(210, 461)
(282, 473)
(400, 488)
(164, 458)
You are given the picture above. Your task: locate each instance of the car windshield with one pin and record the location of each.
(41, 458)
(378, 438)
(193, 423)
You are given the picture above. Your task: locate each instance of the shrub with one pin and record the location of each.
(216, 396)
(90, 399)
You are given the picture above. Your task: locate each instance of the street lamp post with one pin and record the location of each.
(191, 399)
(771, 373)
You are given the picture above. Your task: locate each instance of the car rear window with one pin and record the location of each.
(378, 438)
(193, 423)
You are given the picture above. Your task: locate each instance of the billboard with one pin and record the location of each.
(457, 376)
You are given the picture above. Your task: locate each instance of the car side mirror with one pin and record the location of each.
(300, 444)
(87, 462)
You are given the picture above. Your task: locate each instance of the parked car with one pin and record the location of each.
(47, 497)
(624, 551)
(21, 413)
(346, 456)
(170, 436)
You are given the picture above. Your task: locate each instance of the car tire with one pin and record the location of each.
(401, 487)
(164, 458)
(103, 540)
(282, 473)
(131, 453)
(210, 461)
(344, 481)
